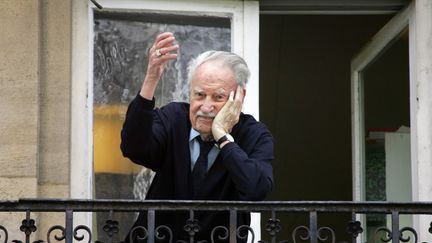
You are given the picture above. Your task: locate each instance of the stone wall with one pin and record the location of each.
(19, 99)
(34, 104)
(54, 89)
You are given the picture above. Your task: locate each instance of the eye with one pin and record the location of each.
(220, 97)
(199, 94)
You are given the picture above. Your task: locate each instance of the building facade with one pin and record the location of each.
(47, 70)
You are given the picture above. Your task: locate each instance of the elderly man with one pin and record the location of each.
(204, 150)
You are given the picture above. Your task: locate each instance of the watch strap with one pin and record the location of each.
(222, 139)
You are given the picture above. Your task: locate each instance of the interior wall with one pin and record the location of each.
(386, 87)
(305, 101)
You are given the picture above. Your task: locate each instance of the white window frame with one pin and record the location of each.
(366, 56)
(244, 41)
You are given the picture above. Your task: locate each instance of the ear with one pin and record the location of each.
(244, 94)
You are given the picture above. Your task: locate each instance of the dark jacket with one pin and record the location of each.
(159, 139)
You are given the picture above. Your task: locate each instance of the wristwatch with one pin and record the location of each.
(226, 137)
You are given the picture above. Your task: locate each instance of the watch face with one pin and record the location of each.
(229, 137)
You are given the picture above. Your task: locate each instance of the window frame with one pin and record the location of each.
(244, 41)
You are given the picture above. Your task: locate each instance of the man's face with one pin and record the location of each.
(210, 87)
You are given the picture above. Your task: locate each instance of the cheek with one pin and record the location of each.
(192, 111)
(194, 105)
(219, 106)
(192, 119)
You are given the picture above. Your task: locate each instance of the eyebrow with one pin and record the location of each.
(221, 91)
(195, 90)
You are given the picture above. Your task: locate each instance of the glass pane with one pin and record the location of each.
(121, 41)
(387, 122)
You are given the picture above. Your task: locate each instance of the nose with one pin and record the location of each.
(207, 106)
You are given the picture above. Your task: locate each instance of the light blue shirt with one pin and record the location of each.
(194, 148)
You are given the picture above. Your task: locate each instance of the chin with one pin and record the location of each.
(203, 129)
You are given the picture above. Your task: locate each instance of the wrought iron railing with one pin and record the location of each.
(271, 230)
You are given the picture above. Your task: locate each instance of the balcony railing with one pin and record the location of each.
(312, 231)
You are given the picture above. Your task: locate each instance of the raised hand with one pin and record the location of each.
(162, 51)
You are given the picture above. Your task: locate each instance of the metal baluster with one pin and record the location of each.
(273, 216)
(151, 225)
(191, 218)
(28, 232)
(69, 226)
(395, 227)
(233, 226)
(110, 237)
(353, 218)
(313, 227)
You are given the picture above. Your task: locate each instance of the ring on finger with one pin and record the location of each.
(158, 53)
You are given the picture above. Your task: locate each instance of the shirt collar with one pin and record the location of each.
(193, 134)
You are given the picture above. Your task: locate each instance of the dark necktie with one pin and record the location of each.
(200, 168)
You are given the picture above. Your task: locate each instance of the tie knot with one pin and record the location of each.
(205, 146)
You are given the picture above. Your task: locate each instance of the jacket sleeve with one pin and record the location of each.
(251, 173)
(143, 134)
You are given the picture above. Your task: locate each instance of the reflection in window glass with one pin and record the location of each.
(121, 41)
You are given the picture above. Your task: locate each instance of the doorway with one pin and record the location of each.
(305, 100)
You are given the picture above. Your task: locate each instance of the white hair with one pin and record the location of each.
(234, 61)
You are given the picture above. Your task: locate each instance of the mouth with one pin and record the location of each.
(205, 118)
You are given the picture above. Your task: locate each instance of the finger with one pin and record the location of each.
(239, 93)
(161, 40)
(158, 63)
(163, 36)
(165, 42)
(165, 58)
(167, 50)
(164, 54)
(231, 96)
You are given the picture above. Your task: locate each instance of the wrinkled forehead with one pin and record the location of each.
(213, 71)
(215, 90)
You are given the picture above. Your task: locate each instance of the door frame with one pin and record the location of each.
(369, 53)
(379, 43)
